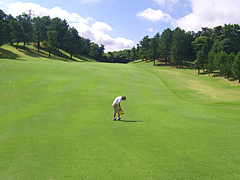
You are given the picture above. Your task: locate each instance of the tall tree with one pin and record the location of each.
(3, 30)
(153, 52)
(200, 61)
(213, 56)
(144, 47)
(133, 54)
(27, 28)
(101, 51)
(16, 31)
(61, 28)
(165, 44)
(228, 45)
(94, 51)
(229, 64)
(86, 46)
(37, 30)
(199, 42)
(204, 44)
(177, 48)
(40, 27)
(220, 64)
(236, 36)
(51, 43)
(236, 67)
(207, 32)
(72, 41)
(46, 22)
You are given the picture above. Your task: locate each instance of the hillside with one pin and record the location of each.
(30, 52)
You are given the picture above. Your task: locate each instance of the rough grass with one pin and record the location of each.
(56, 122)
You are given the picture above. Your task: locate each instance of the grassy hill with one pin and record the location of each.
(30, 52)
(56, 121)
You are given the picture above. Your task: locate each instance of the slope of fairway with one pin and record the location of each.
(56, 122)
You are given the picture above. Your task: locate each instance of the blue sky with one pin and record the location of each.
(121, 24)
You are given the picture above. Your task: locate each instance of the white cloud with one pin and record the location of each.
(150, 29)
(154, 15)
(99, 37)
(210, 13)
(101, 26)
(18, 8)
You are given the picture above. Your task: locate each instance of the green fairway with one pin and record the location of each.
(56, 122)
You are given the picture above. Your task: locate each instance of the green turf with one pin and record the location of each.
(56, 122)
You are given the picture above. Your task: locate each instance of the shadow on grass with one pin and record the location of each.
(162, 65)
(214, 74)
(131, 121)
(42, 53)
(31, 52)
(7, 54)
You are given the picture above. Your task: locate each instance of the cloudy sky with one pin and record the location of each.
(121, 24)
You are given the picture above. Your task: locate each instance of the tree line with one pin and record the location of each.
(210, 49)
(51, 33)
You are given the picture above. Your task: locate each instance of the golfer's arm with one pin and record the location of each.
(119, 105)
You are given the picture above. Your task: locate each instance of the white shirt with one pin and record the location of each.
(117, 100)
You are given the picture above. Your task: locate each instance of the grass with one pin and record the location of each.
(56, 121)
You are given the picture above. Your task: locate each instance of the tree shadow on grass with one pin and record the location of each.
(5, 54)
(42, 53)
(31, 52)
(214, 74)
(131, 121)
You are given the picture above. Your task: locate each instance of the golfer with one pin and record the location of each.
(116, 107)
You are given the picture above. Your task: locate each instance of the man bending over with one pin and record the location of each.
(116, 107)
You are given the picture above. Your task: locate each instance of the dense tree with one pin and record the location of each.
(51, 43)
(46, 22)
(61, 28)
(165, 44)
(96, 52)
(199, 42)
(236, 67)
(200, 61)
(72, 42)
(26, 26)
(207, 32)
(101, 51)
(40, 27)
(218, 33)
(16, 31)
(228, 65)
(86, 46)
(220, 63)
(177, 47)
(133, 54)
(213, 49)
(3, 35)
(228, 45)
(8, 32)
(144, 47)
(153, 51)
(54, 33)
(37, 30)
